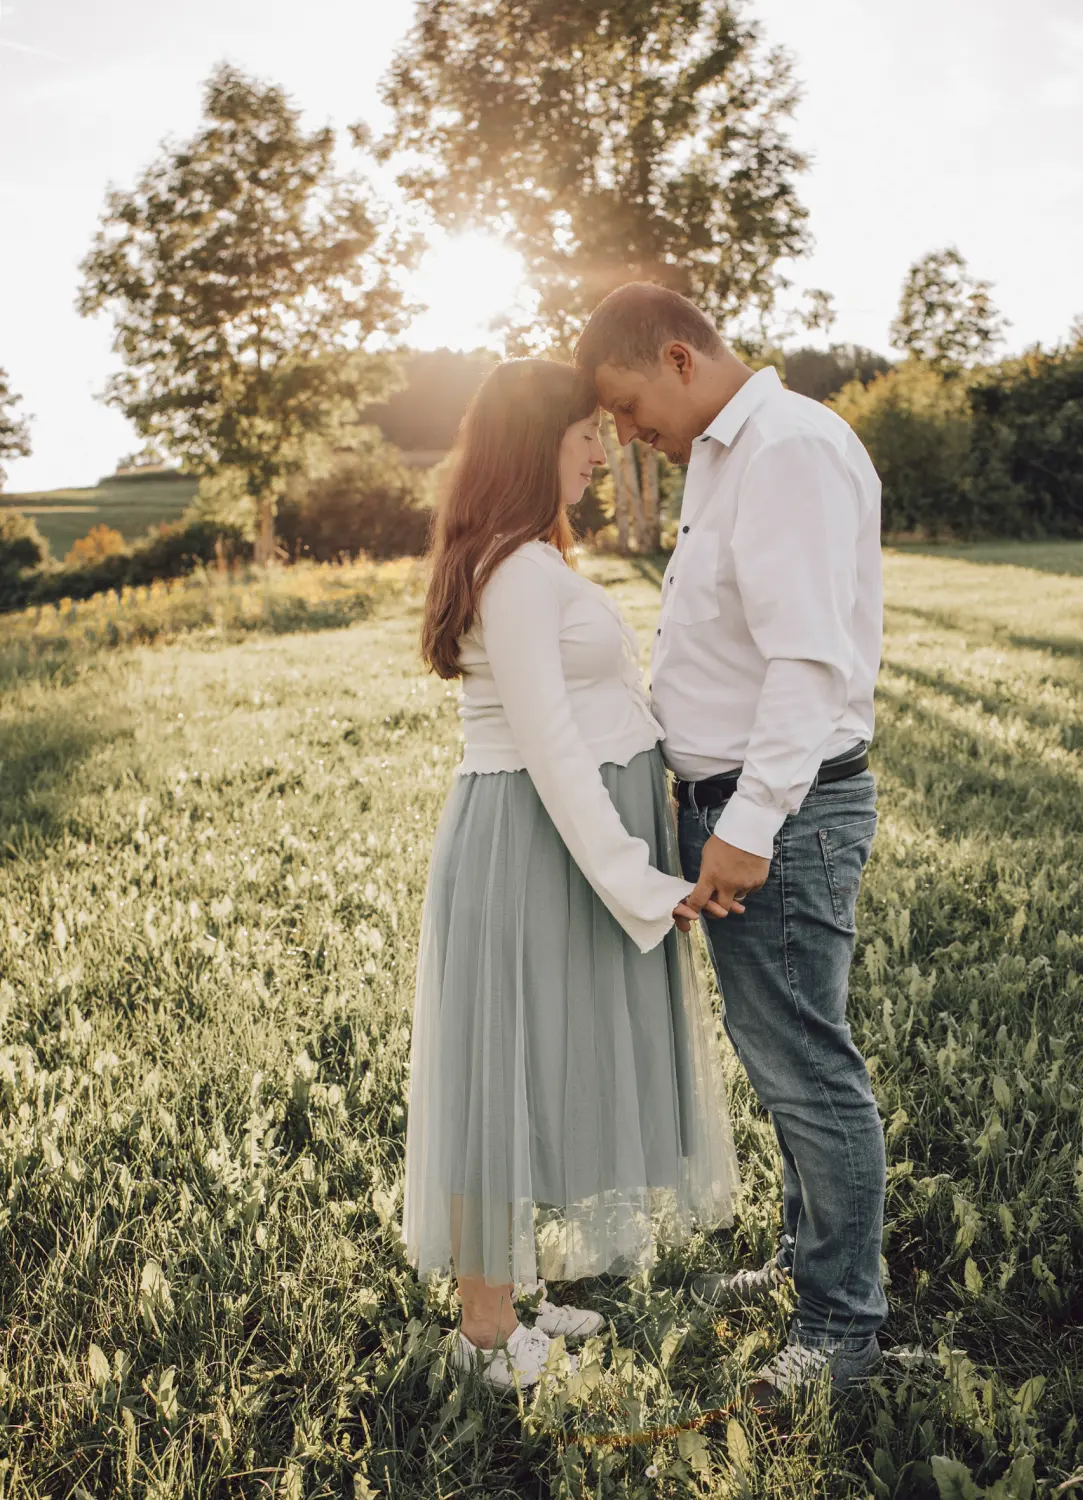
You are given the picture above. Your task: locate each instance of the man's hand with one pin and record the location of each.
(726, 875)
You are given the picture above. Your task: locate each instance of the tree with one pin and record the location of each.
(917, 428)
(1026, 460)
(606, 141)
(14, 429)
(822, 373)
(946, 316)
(245, 276)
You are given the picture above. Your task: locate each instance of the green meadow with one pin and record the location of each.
(128, 506)
(217, 801)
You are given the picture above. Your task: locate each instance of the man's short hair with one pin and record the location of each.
(632, 325)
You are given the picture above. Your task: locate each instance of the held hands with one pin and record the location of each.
(726, 875)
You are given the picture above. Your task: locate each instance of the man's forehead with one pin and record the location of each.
(617, 382)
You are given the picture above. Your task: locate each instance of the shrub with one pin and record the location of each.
(165, 552)
(916, 425)
(100, 541)
(367, 503)
(22, 546)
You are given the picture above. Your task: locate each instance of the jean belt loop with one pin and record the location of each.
(815, 781)
(692, 797)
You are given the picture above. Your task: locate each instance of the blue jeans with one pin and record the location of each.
(783, 969)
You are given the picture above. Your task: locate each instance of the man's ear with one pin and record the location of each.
(681, 358)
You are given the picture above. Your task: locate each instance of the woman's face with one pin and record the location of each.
(580, 453)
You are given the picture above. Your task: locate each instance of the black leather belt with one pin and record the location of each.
(714, 790)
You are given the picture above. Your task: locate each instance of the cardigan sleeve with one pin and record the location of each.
(520, 622)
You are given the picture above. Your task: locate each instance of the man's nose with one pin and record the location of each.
(626, 430)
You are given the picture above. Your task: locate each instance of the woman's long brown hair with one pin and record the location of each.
(504, 490)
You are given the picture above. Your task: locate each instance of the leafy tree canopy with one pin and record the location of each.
(606, 140)
(246, 277)
(946, 316)
(14, 428)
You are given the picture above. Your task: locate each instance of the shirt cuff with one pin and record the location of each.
(748, 826)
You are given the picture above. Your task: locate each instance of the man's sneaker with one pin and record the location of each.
(555, 1320)
(738, 1288)
(801, 1369)
(520, 1360)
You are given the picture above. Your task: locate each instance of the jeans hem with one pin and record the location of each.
(818, 1338)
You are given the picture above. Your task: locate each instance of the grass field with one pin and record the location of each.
(63, 516)
(212, 859)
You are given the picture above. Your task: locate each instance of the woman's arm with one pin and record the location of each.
(520, 619)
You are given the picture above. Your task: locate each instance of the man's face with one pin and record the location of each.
(657, 406)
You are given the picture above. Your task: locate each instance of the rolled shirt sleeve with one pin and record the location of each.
(795, 552)
(520, 621)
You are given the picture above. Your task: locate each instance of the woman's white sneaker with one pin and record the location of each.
(556, 1320)
(520, 1360)
(569, 1322)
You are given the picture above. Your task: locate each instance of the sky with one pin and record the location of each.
(938, 122)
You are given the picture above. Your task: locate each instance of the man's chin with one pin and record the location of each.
(678, 455)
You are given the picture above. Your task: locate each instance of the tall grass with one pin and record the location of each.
(212, 859)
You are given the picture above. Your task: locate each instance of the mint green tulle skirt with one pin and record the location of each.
(567, 1111)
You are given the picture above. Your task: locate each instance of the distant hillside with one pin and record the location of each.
(129, 505)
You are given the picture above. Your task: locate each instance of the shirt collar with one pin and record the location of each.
(740, 406)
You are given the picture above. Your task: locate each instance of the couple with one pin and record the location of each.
(566, 1109)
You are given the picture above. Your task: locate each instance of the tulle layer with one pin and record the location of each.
(567, 1110)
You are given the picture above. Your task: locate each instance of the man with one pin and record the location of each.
(764, 663)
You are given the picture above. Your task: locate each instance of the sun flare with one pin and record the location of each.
(466, 283)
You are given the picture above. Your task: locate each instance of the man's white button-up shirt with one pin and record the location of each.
(769, 640)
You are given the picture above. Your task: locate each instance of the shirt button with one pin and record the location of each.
(658, 631)
(686, 528)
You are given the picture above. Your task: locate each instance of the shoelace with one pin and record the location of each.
(796, 1362)
(750, 1278)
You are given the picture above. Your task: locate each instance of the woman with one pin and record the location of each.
(563, 1098)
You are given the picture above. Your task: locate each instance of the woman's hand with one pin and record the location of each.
(684, 915)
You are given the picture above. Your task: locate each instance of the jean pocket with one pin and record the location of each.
(846, 849)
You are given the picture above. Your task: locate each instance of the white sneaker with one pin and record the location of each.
(520, 1360)
(569, 1322)
(558, 1321)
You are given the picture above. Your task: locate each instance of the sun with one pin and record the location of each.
(466, 282)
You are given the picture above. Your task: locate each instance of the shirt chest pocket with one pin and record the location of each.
(693, 580)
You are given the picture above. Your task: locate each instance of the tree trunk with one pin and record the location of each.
(265, 536)
(626, 495)
(620, 513)
(652, 497)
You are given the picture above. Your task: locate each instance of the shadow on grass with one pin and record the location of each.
(1063, 558)
(957, 782)
(977, 628)
(40, 753)
(1070, 730)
